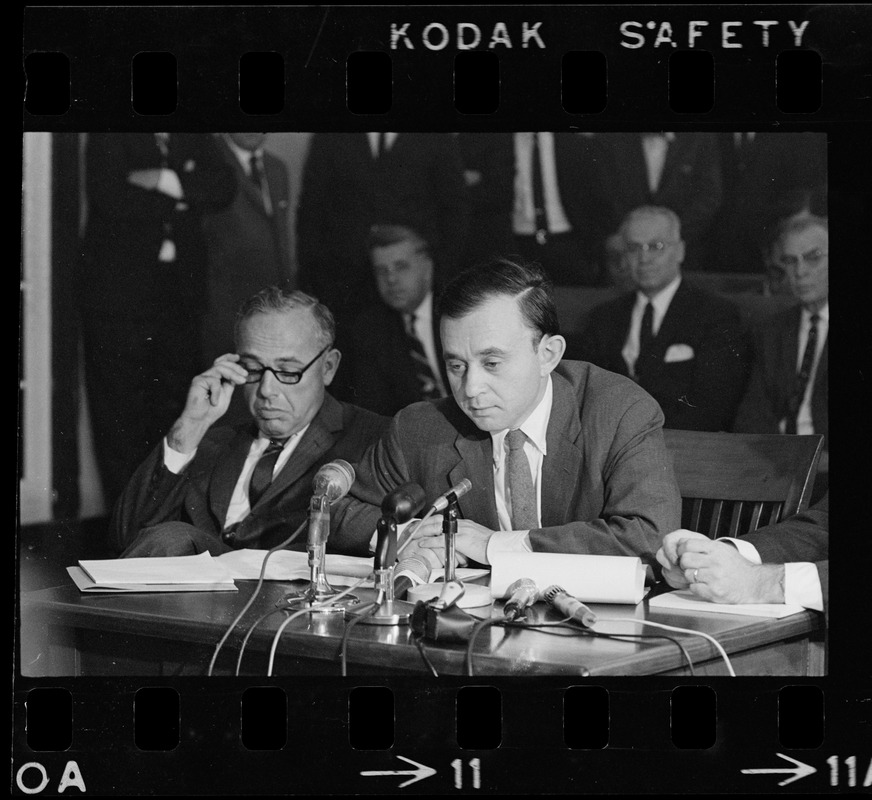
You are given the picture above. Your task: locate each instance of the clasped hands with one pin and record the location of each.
(428, 542)
(716, 571)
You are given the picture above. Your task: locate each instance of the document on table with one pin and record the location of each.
(685, 600)
(590, 578)
(289, 565)
(200, 573)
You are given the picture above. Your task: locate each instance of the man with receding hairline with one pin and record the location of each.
(215, 488)
(562, 457)
(683, 345)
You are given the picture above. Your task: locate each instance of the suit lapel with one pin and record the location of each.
(477, 464)
(227, 470)
(563, 462)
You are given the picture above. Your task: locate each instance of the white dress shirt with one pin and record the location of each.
(654, 146)
(239, 508)
(802, 584)
(423, 328)
(660, 303)
(535, 448)
(524, 215)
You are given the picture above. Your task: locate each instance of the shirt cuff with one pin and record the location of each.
(802, 585)
(746, 549)
(169, 184)
(175, 461)
(508, 542)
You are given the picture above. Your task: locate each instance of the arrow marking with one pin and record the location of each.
(419, 774)
(798, 771)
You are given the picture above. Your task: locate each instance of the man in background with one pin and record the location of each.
(683, 345)
(142, 289)
(247, 242)
(397, 355)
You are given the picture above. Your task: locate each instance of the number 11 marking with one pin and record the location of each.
(475, 765)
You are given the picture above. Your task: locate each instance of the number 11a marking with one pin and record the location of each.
(851, 764)
(475, 765)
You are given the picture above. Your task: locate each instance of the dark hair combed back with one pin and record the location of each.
(384, 235)
(502, 276)
(279, 299)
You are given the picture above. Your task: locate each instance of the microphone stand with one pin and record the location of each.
(390, 611)
(319, 589)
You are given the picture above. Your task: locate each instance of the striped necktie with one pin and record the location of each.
(427, 383)
(263, 470)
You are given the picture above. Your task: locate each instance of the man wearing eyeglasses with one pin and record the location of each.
(683, 345)
(787, 392)
(216, 488)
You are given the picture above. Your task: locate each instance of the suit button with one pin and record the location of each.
(228, 537)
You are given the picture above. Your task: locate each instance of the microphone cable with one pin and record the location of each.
(419, 643)
(313, 607)
(715, 642)
(365, 611)
(279, 546)
(565, 624)
(250, 631)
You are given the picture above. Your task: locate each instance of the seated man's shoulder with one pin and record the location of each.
(428, 420)
(599, 389)
(362, 419)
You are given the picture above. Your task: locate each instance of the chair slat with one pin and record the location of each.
(756, 516)
(735, 519)
(695, 514)
(715, 524)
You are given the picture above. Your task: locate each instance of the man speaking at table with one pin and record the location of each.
(563, 457)
(222, 488)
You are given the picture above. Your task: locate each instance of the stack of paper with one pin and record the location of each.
(685, 600)
(200, 573)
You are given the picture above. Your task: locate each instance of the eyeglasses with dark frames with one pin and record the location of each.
(283, 376)
(813, 258)
(637, 248)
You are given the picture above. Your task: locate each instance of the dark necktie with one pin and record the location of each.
(427, 383)
(520, 483)
(258, 178)
(381, 144)
(802, 376)
(263, 470)
(646, 335)
(540, 219)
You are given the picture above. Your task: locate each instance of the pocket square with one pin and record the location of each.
(189, 165)
(678, 352)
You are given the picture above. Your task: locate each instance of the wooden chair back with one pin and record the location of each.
(734, 483)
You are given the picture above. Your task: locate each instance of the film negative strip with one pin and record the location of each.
(125, 694)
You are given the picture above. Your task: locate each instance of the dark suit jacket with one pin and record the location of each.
(383, 370)
(201, 494)
(690, 184)
(758, 178)
(773, 376)
(802, 537)
(248, 248)
(127, 225)
(418, 182)
(607, 485)
(579, 162)
(700, 393)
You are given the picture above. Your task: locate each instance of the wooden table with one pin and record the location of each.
(64, 632)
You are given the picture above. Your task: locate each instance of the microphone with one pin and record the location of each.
(403, 502)
(333, 480)
(458, 490)
(557, 597)
(522, 593)
(415, 565)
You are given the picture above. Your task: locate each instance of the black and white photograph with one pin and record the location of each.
(455, 445)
